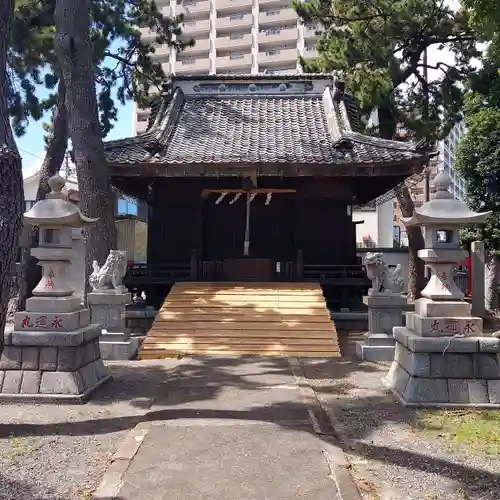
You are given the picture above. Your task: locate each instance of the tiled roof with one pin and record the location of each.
(245, 128)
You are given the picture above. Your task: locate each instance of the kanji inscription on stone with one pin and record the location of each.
(56, 322)
(27, 322)
(41, 322)
(50, 280)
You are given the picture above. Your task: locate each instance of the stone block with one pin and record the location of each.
(493, 391)
(31, 382)
(89, 354)
(458, 390)
(489, 344)
(11, 358)
(444, 326)
(426, 390)
(100, 369)
(486, 366)
(47, 322)
(7, 337)
(478, 391)
(68, 359)
(62, 383)
(416, 364)
(383, 320)
(55, 339)
(89, 375)
(451, 365)
(30, 357)
(48, 358)
(84, 317)
(53, 304)
(429, 308)
(12, 382)
(416, 343)
(373, 353)
(109, 298)
(397, 378)
(378, 339)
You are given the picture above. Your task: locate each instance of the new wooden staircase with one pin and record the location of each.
(271, 319)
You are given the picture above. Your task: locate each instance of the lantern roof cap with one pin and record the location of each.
(444, 208)
(55, 210)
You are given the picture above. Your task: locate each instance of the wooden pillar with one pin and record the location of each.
(300, 265)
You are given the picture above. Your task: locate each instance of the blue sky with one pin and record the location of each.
(32, 148)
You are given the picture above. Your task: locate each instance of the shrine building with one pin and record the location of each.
(253, 179)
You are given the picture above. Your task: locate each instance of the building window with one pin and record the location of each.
(236, 56)
(273, 32)
(234, 17)
(188, 61)
(236, 36)
(273, 52)
(272, 12)
(28, 204)
(126, 207)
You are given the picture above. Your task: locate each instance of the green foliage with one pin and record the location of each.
(478, 155)
(124, 65)
(377, 47)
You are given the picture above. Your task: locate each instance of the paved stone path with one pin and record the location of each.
(228, 428)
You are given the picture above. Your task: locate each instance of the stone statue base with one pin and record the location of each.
(385, 310)
(52, 354)
(443, 360)
(108, 309)
(53, 367)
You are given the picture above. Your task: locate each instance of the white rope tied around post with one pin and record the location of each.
(252, 196)
(268, 198)
(456, 336)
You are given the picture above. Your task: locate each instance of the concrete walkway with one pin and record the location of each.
(229, 429)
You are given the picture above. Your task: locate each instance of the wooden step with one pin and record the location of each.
(274, 319)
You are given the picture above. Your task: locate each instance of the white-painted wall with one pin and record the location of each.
(377, 226)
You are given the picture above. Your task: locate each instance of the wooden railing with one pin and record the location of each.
(346, 276)
(156, 274)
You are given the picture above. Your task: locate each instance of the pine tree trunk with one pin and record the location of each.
(74, 51)
(11, 180)
(29, 273)
(492, 282)
(416, 267)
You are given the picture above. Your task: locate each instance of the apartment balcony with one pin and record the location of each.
(147, 35)
(283, 56)
(270, 3)
(201, 45)
(310, 53)
(310, 32)
(193, 27)
(234, 41)
(227, 6)
(277, 35)
(277, 16)
(193, 8)
(188, 65)
(162, 53)
(233, 62)
(234, 21)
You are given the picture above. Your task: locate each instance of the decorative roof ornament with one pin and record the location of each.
(55, 210)
(444, 208)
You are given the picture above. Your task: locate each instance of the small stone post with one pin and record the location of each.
(442, 357)
(53, 352)
(385, 310)
(107, 303)
(478, 278)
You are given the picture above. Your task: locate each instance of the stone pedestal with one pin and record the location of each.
(441, 358)
(108, 309)
(52, 356)
(385, 310)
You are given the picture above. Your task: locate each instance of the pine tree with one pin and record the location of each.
(378, 48)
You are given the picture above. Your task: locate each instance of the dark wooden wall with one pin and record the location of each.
(314, 220)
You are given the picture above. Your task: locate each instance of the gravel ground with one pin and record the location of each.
(59, 452)
(391, 458)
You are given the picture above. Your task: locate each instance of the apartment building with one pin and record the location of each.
(447, 152)
(234, 37)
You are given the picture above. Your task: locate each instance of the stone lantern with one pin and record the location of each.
(53, 352)
(441, 356)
